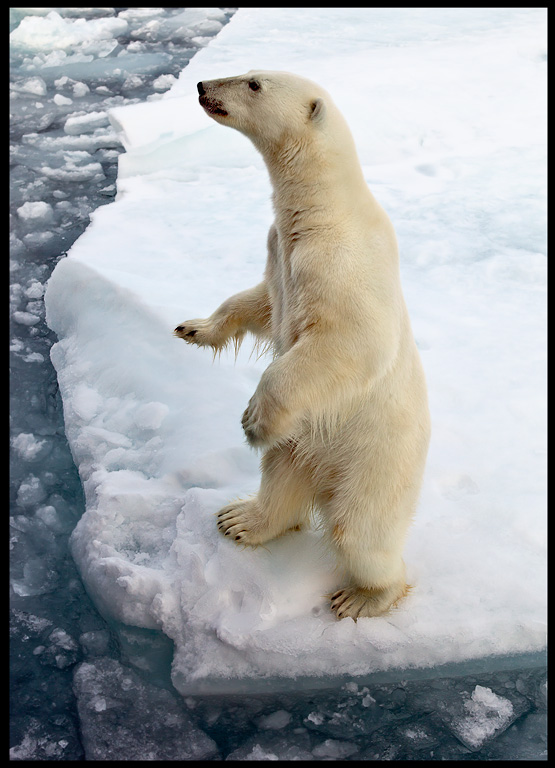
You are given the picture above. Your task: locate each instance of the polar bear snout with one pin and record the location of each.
(210, 105)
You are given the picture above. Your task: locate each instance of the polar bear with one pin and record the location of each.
(342, 411)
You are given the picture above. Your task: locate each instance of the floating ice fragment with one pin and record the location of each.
(197, 19)
(52, 33)
(37, 580)
(315, 717)
(135, 15)
(27, 446)
(31, 623)
(80, 90)
(38, 211)
(34, 86)
(87, 123)
(34, 290)
(99, 138)
(25, 750)
(33, 357)
(270, 746)
(275, 721)
(50, 518)
(31, 492)
(60, 638)
(202, 41)
(62, 101)
(163, 82)
(25, 318)
(75, 169)
(259, 753)
(132, 82)
(37, 239)
(334, 749)
(488, 714)
(114, 728)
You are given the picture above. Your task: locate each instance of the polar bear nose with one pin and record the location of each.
(200, 89)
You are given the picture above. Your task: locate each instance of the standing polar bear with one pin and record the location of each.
(342, 411)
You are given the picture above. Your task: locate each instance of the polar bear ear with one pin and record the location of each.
(317, 110)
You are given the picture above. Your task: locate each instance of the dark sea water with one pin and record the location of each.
(83, 689)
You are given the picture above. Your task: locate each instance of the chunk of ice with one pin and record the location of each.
(62, 101)
(27, 446)
(115, 728)
(86, 123)
(488, 714)
(275, 721)
(53, 32)
(34, 86)
(334, 749)
(38, 211)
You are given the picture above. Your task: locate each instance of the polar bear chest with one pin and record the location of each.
(289, 297)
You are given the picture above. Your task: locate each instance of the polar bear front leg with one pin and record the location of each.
(246, 311)
(205, 333)
(284, 501)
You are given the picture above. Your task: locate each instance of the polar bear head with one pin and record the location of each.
(295, 125)
(271, 108)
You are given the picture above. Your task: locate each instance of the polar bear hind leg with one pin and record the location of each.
(368, 544)
(377, 583)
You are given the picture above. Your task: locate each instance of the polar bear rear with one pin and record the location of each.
(342, 412)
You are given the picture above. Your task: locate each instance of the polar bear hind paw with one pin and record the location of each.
(358, 602)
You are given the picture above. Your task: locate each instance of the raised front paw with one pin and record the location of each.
(203, 333)
(187, 330)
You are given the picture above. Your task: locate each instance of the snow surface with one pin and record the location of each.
(448, 110)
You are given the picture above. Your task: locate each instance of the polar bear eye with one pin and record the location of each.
(254, 85)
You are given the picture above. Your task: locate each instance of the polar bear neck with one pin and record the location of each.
(312, 185)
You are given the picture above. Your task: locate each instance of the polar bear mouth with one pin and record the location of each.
(212, 106)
